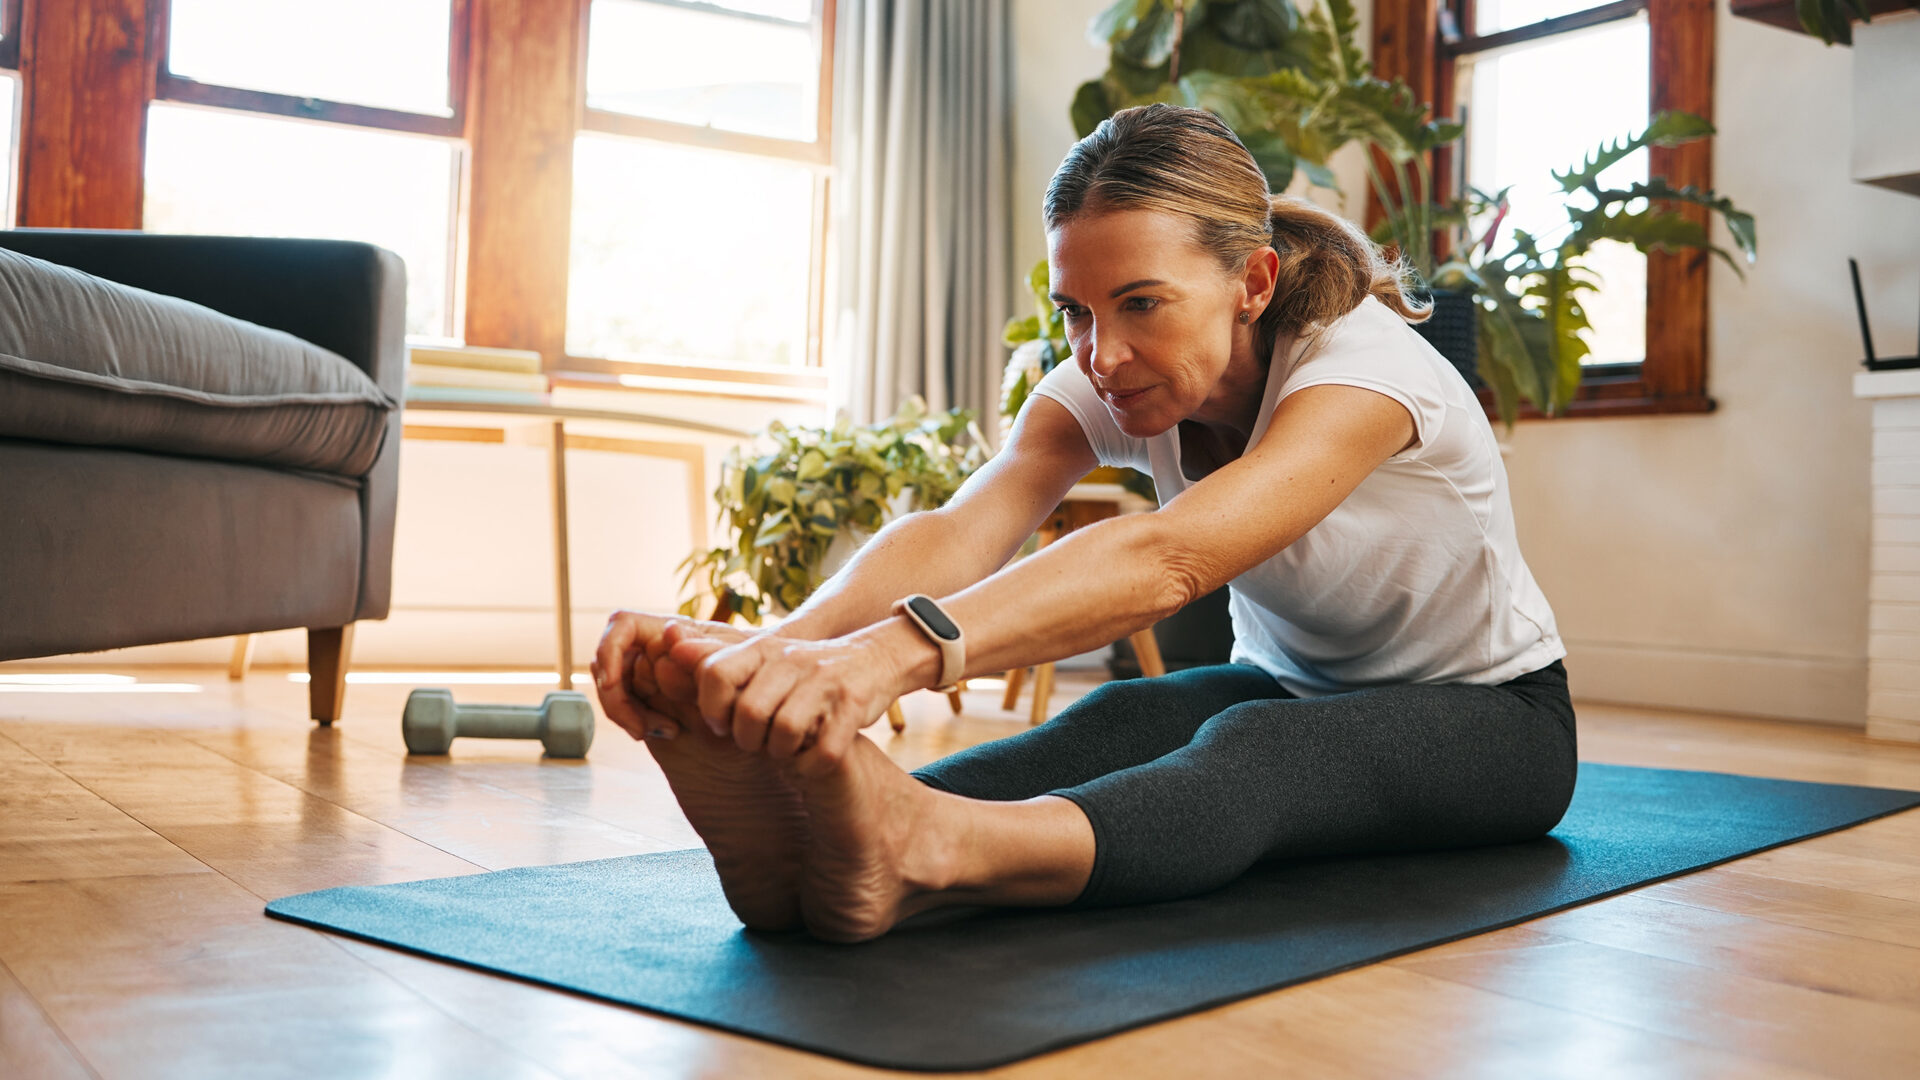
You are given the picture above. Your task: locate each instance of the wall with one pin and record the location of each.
(1712, 562)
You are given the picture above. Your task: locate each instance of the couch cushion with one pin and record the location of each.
(89, 361)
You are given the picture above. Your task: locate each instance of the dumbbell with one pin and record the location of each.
(563, 722)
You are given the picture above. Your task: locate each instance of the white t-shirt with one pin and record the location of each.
(1416, 577)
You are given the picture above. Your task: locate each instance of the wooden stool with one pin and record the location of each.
(1084, 505)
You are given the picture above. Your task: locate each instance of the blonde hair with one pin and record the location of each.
(1186, 161)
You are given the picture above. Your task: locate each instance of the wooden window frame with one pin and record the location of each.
(1408, 45)
(816, 154)
(90, 69)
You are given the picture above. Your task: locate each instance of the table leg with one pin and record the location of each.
(563, 590)
(1146, 649)
(1012, 696)
(242, 657)
(1042, 691)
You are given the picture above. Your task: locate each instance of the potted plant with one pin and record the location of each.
(1529, 296)
(798, 509)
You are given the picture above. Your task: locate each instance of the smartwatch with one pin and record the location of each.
(942, 631)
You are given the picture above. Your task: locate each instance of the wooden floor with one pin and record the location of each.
(141, 833)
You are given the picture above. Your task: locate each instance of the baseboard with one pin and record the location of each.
(1819, 689)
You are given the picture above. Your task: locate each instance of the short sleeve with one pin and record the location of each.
(1068, 385)
(1375, 349)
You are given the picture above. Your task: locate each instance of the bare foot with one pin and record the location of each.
(750, 816)
(873, 856)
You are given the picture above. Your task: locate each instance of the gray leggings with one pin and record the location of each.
(1191, 778)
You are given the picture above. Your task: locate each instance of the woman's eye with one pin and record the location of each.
(1072, 312)
(1141, 303)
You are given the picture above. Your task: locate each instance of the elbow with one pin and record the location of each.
(1182, 574)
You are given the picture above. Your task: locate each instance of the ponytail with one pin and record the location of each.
(1327, 268)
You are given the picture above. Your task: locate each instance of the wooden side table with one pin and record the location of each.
(546, 425)
(1084, 505)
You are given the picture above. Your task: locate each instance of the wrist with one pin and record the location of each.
(914, 660)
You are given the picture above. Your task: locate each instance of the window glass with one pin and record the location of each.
(752, 72)
(213, 171)
(387, 53)
(688, 256)
(9, 142)
(1493, 16)
(1523, 125)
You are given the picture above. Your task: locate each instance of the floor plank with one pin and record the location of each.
(1742, 1014)
(1793, 903)
(30, 1046)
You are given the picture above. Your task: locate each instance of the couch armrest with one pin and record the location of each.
(341, 295)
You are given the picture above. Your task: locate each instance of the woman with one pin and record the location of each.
(1397, 679)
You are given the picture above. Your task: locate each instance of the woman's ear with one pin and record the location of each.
(1262, 272)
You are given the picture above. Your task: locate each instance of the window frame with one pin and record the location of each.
(816, 154)
(91, 69)
(179, 90)
(1408, 44)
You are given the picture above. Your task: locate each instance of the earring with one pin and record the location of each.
(1246, 317)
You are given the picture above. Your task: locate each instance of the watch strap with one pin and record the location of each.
(934, 622)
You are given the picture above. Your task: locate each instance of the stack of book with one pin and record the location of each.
(469, 373)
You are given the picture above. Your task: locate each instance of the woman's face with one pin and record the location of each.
(1151, 317)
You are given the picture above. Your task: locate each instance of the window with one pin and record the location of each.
(694, 163)
(582, 178)
(265, 127)
(1508, 66)
(1523, 128)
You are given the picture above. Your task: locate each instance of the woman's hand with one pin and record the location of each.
(641, 690)
(785, 697)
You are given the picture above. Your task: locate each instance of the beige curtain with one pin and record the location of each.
(920, 276)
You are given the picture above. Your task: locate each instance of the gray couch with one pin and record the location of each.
(169, 472)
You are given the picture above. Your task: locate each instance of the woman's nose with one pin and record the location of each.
(1105, 354)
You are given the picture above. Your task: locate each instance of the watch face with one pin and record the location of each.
(935, 619)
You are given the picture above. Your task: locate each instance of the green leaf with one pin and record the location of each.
(1559, 290)
(1669, 128)
(1649, 230)
(812, 464)
(1273, 156)
(1739, 223)
(1150, 42)
(1118, 21)
(1250, 25)
(1020, 330)
(1090, 106)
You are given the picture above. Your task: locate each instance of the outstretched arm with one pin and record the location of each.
(1094, 586)
(935, 552)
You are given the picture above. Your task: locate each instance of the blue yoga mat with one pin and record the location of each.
(970, 990)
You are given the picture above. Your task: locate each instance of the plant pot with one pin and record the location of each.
(1195, 636)
(1454, 330)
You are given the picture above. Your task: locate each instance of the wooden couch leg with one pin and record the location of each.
(327, 654)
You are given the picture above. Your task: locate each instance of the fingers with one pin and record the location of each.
(720, 672)
(633, 715)
(831, 745)
(625, 630)
(798, 720)
(681, 628)
(757, 702)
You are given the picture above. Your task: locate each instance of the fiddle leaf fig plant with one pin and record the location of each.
(787, 504)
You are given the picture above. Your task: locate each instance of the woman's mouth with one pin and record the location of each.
(1124, 397)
